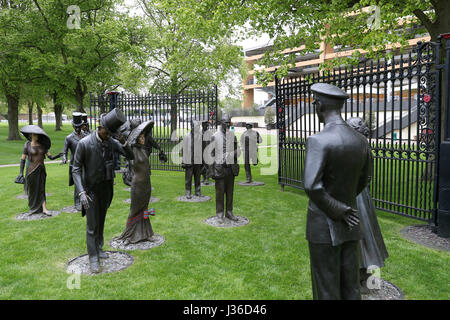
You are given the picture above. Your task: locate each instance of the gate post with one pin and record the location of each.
(443, 229)
(112, 99)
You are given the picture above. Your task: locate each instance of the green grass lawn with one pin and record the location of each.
(266, 259)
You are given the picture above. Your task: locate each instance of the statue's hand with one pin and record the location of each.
(64, 160)
(351, 218)
(84, 199)
(121, 138)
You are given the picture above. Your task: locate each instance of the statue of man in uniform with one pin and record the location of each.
(193, 159)
(337, 168)
(225, 168)
(70, 143)
(249, 141)
(206, 168)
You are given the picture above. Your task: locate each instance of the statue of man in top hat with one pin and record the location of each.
(192, 160)
(70, 143)
(249, 140)
(93, 174)
(337, 168)
(85, 125)
(225, 168)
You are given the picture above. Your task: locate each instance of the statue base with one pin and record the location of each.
(37, 216)
(227, 223)
(70, 209)
(194, 199)
(156, 241)
(386, 291)
(117, 261)
(152, 200)
(251, 184)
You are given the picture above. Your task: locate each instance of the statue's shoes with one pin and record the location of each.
(103, 255)
(231, 217)
(94, 266)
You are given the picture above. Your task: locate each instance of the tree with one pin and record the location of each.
(78, 58)
(366, 24)
(13, 62)
(185, 47)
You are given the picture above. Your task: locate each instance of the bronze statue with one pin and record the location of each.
(85, 125)
(337, 168)
(225, 168)
(35, 151)
(138, 226)
(249, 141)
(373, 251)
(93, 175)
(206, 168)
(192, 160)
(125, 130)
(70, 143)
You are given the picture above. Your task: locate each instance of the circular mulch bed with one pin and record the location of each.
(423, 234)
(152, 200)
(25, 197)
(251, 184)
(117, 261)
(70, 209)
(227, 223)
(37, 216)
(157, 240)
(194, 199)
(387, 291)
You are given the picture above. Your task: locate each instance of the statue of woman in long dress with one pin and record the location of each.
(35, 151)
(138, 226)
(373, 250)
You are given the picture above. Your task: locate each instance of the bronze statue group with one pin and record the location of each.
(342, 230)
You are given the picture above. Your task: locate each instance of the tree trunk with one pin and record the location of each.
(58, 116)
(80, 93)
(173, 114)
(13, 116)
(39, 115)
(30, 112)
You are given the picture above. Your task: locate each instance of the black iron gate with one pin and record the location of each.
(172, 115)
(399, 99)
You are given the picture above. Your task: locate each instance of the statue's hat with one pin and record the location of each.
(144, 127)
(43, 139)
(112, 120)
(77, 119)
(329, 91)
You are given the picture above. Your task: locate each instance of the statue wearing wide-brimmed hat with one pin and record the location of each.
(93, 175)
(337, 167)
(138, 227)
(35, 150)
